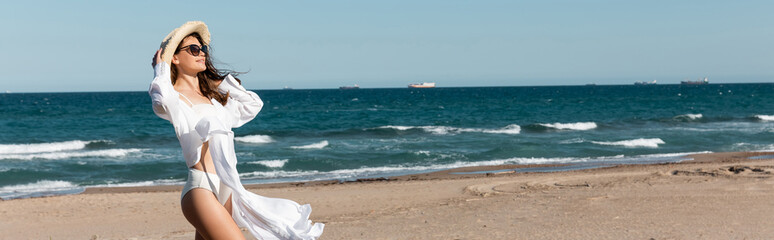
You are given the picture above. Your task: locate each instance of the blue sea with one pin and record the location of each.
(61, 143)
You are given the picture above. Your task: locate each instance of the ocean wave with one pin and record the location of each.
(693, 129)
(319, 145)
(366, 171)
(571, 141)
(751, 147)
(668, 155)
(278, 163)
(422, 152)
(313, 175)
(640, 142)
(440, 130)
(439, 156)
(64, 155)
(255, 139)
(44, 147)
(444, 130)
(38, 189)
(510, 129)
(744, 127)
(571, 126)
(159, 182)
(765, 117)
(688, 116)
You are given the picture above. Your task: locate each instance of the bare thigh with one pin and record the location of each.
(211, 220)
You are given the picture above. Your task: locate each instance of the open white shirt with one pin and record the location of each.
(266, 218)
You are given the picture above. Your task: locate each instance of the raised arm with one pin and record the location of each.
(242, 104)
(161, 91)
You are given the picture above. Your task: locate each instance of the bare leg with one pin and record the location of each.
(211, 220)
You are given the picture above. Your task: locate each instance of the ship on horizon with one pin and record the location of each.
(422, 85)
(349, 87)
(645, 83)
(697, 82)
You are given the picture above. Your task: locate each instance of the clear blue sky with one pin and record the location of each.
(107, 45)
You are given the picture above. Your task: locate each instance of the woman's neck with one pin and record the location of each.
(190, 82)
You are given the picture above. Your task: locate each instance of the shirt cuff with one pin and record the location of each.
(229, 84)
(161, 69)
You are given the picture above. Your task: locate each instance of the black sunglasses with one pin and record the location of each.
(196, 49)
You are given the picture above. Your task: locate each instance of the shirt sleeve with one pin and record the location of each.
(242, 104)
(162, 93)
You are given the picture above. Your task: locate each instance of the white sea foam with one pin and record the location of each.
(765, 117)
(751, 147)
(278, 163)
(640, 142)
(40, 188)
(743, 127)
(571, 141)
(280, 174)
(690, 116)
(401, 128)
(158, 182)
(662, 155)
(439, 156)
(422, 152)
(366, 171)
(42, 147)
(510, 129)
(444, 130)
(319, 145)
(255, 139)
(431, 129)
(402, 169)
(72, 154)
(571, 126)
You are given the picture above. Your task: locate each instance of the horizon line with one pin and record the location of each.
(337, 88)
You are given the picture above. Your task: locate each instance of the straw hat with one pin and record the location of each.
(169, 45)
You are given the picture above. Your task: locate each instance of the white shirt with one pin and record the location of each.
(242, 106)
(266, 218)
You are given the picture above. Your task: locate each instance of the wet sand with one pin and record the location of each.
(714, 196)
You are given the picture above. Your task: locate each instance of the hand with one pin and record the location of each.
(156, 58)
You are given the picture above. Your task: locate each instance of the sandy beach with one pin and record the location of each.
(713, 196)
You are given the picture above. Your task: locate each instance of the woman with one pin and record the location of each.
(203, 104)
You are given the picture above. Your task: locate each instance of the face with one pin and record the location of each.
(187, 62)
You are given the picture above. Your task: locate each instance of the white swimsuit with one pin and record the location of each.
(201, 179)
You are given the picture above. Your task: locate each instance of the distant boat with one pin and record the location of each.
(591, 84)
(698, 82)
(350, 87)
(645, 83)
(287, 88)
(422, 85)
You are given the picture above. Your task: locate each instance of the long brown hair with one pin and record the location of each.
(208, 76)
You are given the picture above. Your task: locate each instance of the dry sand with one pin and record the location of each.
(715, 196)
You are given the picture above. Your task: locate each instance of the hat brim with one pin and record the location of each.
(169, 45)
